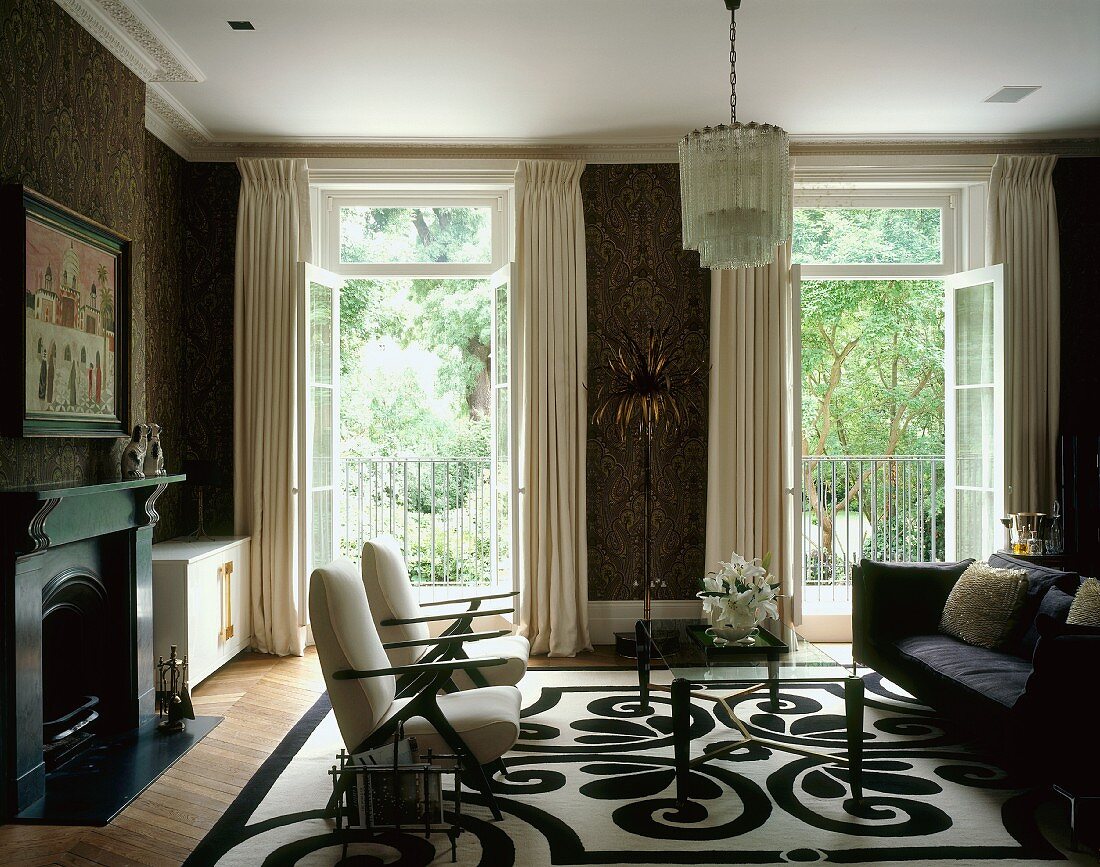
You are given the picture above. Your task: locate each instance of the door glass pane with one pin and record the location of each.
(854, 236)
(973, 527)
(974, 335)
(322, 436)
(322, 528)
(320, 331)
(415, 235)
(501, 358)
(974, 437)
(502, 506)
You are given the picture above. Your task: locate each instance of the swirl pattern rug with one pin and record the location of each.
(591, 782)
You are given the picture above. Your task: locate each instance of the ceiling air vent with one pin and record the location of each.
(240, 25)
(1012, 93)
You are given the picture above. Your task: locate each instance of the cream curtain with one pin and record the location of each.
(272, 236)
(753, 484)
(551, 365)
(1022, 235)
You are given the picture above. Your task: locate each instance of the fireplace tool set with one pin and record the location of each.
(173, 696)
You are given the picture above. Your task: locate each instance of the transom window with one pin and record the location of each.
(390, 234)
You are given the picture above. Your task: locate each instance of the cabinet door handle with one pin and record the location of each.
(227, 569)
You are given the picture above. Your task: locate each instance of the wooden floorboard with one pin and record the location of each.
(261, 698)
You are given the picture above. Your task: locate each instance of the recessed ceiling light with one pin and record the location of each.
(1012, 93)
(240, 25)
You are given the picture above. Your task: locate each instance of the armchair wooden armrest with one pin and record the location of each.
(454, 615)
(446, 639)
(469, 599)
(431, 668)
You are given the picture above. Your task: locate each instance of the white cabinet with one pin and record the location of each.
(201, 601)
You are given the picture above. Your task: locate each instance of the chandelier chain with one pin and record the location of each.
(733, 65)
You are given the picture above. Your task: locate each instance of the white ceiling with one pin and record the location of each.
(632, 70)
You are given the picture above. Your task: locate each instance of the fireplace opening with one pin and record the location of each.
(74, 633)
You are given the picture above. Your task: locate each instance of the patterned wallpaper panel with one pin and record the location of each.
(210, 214)
(72, 126)
(163, 317)
(639, 275)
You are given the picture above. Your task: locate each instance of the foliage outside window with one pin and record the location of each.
(847, 236)
(415, 235)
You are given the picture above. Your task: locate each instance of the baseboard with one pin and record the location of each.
(607, 618)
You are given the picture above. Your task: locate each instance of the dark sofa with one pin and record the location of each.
(1034, 701)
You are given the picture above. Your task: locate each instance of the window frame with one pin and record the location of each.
(333, 201)
(951, 228)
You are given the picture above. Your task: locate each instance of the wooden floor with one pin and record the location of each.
(261, 698)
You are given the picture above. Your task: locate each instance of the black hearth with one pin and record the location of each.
(79, 739)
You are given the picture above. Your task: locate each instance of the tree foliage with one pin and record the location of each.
(872, 367)
(868, 235)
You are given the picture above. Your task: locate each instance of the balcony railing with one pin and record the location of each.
(883, 508)
(440, 510)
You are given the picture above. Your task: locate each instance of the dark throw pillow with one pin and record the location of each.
(1040, 579)
(902, 599)
(1085, 610)
(984, 606)
(1055, 604)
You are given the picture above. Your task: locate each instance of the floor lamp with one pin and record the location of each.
(647, 384)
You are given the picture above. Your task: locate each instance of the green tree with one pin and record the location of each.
(847, 235)
(872, 373)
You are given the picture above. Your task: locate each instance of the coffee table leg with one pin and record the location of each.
(642, 650)
(681, 736)
(773, 684)
(853, 711)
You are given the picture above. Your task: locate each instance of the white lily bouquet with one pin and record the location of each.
(738, 597)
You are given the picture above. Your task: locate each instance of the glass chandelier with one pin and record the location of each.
(735, 185)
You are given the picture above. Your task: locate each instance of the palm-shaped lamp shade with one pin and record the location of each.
(649, 383)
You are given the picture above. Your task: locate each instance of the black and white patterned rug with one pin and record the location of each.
(591, 782)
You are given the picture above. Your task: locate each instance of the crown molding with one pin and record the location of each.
(132, 36)
(631, 152)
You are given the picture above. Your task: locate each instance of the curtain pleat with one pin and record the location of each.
(550, 367)
(753, 419)
(1022, 234)
(272, 235)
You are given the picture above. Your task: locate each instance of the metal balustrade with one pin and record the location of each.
(440, 510)
(854, 506)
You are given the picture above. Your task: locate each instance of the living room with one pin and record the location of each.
(620, 432)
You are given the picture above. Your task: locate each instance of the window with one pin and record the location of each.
(422, 423)
(873, 390)
(415, 235)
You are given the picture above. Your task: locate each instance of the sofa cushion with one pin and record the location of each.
(1085, 610)
(957, 666)
(1055, 604)
(1039, 580)
(983, 607)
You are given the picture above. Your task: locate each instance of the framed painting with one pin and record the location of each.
(69, 336)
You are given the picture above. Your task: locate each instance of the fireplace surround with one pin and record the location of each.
(77, 727)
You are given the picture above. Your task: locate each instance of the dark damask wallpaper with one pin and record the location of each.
(72, 126)
(210, 214)
(164, 173)
(638, 275)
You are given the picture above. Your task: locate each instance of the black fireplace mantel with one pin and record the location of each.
(56, 529)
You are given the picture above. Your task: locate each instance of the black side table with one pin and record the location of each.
(1084, 817)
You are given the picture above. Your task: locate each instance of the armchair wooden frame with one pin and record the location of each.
(431, 676)
(449, 644)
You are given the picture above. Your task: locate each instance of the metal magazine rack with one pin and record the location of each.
(394, 788)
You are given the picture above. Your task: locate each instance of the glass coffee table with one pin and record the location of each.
(710, 675)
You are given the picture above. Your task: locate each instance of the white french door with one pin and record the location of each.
(974, 417)
(792, 469)
(503, 476)
(318, 422)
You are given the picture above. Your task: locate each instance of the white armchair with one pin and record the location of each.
(404, 625)
(479, 726)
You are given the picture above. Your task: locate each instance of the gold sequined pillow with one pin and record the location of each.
(1085, 610)
(984, 605)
